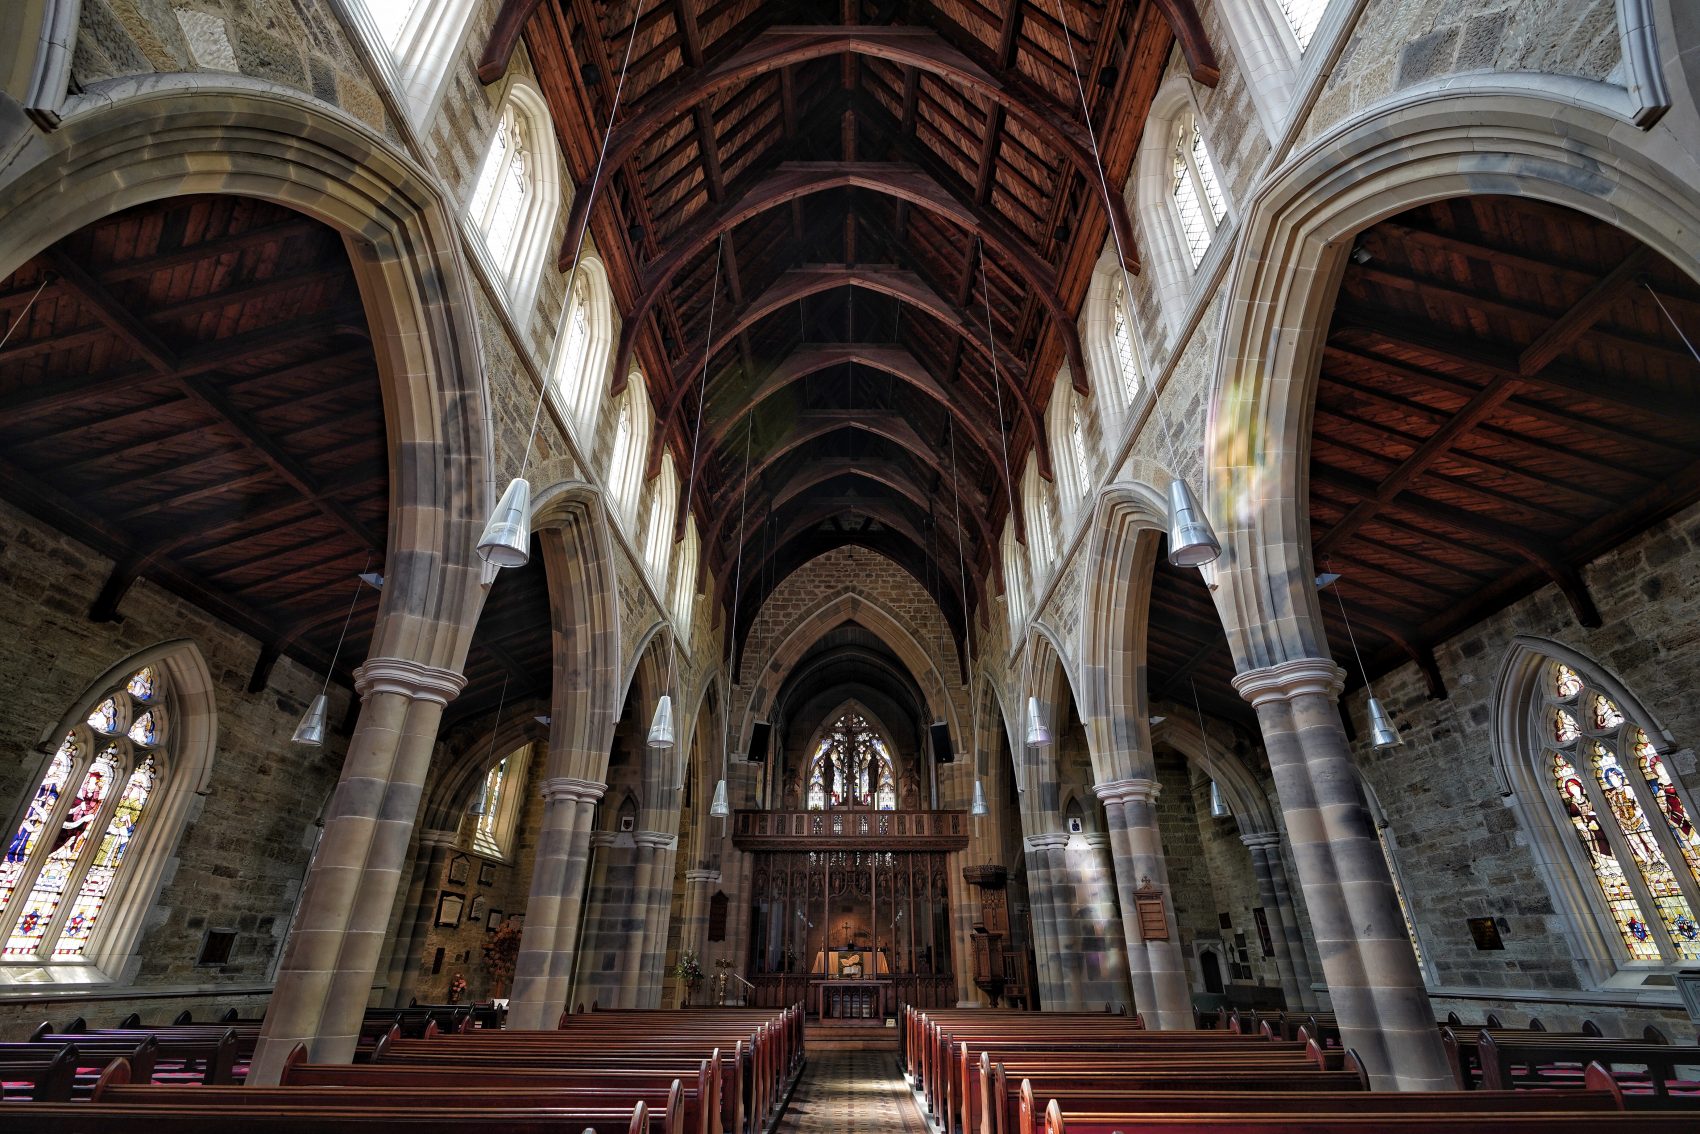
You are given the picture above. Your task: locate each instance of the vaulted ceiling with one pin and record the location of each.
(866, 229)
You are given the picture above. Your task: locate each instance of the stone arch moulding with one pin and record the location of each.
(572, 525)
(132, 141)
(1295, 238)
(1238, 782)
(1128, 523)
(874, 616)
(449, 790)
(193, 718)
(1046, 678)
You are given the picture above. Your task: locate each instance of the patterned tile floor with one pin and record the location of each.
(852, 1091)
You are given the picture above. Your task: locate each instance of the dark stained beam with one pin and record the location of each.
(1195, 45)
(504, 39)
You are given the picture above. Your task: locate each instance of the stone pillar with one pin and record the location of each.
(325, 978)
(1097, 931)
(640, 986)
(1284, 939)
(1372, 974)
(699, 886)
(417, 910)
(543, 971)
(1043, 898)
(1162, 991)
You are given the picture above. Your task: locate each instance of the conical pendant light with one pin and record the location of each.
(721, 807)
(1038, 732)
(311, 730)
(980, 807)
(1382, 734)
(1219, 808)
(661, 725)
(506, 541)
(1192, 543)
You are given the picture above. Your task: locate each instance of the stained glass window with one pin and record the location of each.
(1123, 335)
(1611, 785)
(852, 768)
(488, 808)
(66, 857)
(1196, 192)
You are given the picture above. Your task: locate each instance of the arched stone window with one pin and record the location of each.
(663, 509)
(1014, 585)
(1180, 199)
(1041, 522)
(630, 449)
(517, 194)
(1069, 420)
(1302, 17)
(1613, 825)
(496, 811)
(851, 767)
(423, 38)
(685, 578)
(1109, 337)
(579, 369)
(86, 848)
(1270, 38)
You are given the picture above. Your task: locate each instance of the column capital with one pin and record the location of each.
(1095, 839)
(702, 877)
(1055, 840)
(604, 838)
(438, 838)
(660, 840)
(1255, 839)
(1289, 679)
(408, 678)
(1135, 789)
(572, 789)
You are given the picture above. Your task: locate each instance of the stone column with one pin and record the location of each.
(417, 910)
(543, 971)
(1162, 990)
(693, 935)
(325, 979)
(1372, 974)
(1043, 898)
(1099, 941)
(640, 986)
(1287, 946)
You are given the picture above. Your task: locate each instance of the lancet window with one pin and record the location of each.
(852, 767)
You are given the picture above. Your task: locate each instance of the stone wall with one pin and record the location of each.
(1461, 849)
(242, 854)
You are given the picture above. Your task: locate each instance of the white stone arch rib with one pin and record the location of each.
(1296, 238)
(1552, 842)
(185, 771)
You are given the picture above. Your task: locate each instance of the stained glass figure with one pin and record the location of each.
(66, 858)
(104, 719)
(851, 768)
(1637, 861)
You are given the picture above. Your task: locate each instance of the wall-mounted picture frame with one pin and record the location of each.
(493, 920)
(459, 868)
(628, 822)
(449, 907)
(486, 874)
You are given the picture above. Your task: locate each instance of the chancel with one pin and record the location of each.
(730, 567)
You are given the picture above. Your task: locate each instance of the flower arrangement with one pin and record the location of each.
(457, 988)
(688, 969)
(501, 953)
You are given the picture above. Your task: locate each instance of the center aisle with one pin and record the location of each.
(852, 1091)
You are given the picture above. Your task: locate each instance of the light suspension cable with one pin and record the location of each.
(1381, 730)
(979, 807)
(311, 730)
(1218, 806)
(721, 806)
(506, 541)
(1192, 543)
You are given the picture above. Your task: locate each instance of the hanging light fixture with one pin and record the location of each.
(1219, 808)
(1382, 734)
(506, 541)
(661, 724)
(1192, 542)
(311, 729)
(721, 807)
(1038, 732)
(980, 807)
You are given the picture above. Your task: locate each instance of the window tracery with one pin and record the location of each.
(852, 767)
(517, 193)
(1127, 366)
(64, 860)
(1629, 816)
(1194, 189)
(1303, 16)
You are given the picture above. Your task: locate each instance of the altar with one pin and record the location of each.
(846, 984)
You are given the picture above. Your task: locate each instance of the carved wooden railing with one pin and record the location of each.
(850, 830)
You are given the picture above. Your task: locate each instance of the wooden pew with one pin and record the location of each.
(1363, 1104)
(701, 1098)
(1465, 1060)
(49, 1076)
(207, 1056)
(93, 1055)
(1512, 1060)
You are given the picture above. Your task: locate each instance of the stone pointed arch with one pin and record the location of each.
(156, 137)
(1296, 235)
(848, 605)
(1128, 526)
(1244, 792)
